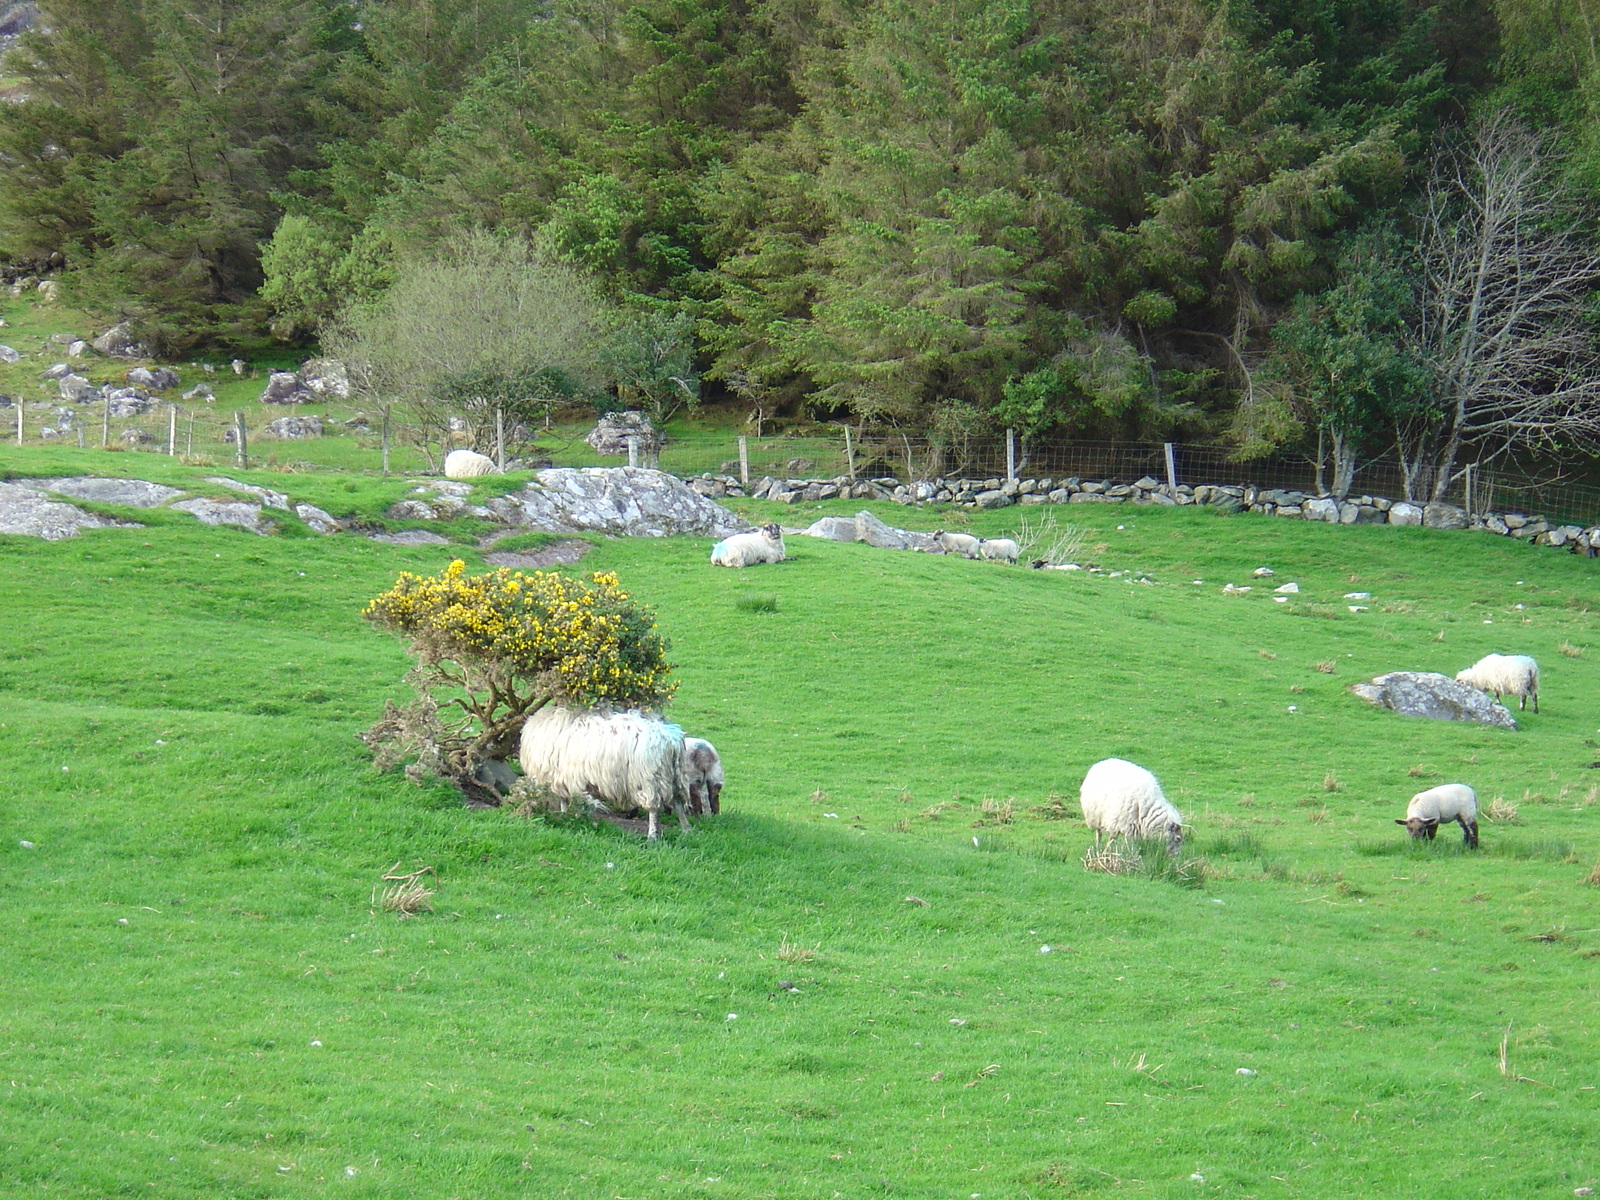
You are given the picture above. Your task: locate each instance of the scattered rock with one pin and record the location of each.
(611, 433)
(131, 493)
(8, 355)
(625, 501)
(227, 512)
(267, 496)
(293, 428)
(119, 342)
(28, 511)
(1429, 694)
(157, 379)
(322, 522)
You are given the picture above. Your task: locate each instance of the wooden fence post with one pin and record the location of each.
(1172, 471)
(744, 460)
(500, 438)
(385, 439)
(1011, 454)
(105, 425)
(1466, 496)
(172, 430)
(849, 454)
(189, 449)
(633, 451)
(19, 420)
(238, 437)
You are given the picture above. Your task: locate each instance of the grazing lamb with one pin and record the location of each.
(625, 760)
(1505, 674)
(468, 464)
(963, 544)
(765, 545)
(999, 549)
(1447, 802)
(1120, 799)
(702, 771)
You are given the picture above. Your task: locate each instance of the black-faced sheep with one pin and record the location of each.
(765, 545)
(702, 772)
(1504, 674)
(624, 760)
(1447, 802)
(1120, 799)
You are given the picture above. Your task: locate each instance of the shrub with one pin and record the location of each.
(493, 649)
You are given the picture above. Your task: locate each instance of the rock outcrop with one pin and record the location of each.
(1428, 694)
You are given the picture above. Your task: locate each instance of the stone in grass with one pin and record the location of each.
(1429, 694)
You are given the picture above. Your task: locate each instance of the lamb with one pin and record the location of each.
(1120, 799)
(624, 760)
(765, 545)
(999, 549)
(468, 464)
(963, 544)
(1505, 674)
(1447, 802)
(702, 770)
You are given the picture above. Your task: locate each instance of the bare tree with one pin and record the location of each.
(1503, 323)
(477, 327)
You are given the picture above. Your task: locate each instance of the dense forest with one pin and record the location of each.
(1364, 221)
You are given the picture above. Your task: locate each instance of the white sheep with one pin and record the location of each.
(765, 545)
(1120, 799)
(624, 760)
(1504, 674)
(702, 771)
(468, 464)
(999, 549)
(1447, 802)
(963, 544)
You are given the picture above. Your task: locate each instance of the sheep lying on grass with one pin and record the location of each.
(963, 544)
(702, 771)
(1120, 799)
(623, 760)
(1505, 674)
(1447, 802)
(468, 464)
(765, 545)
(999, 549)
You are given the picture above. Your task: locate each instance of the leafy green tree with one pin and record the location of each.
(649, 359)
(1346, 357)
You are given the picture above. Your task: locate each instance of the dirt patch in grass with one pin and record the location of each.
(555, 554)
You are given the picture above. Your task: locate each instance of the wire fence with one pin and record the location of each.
(191, 431)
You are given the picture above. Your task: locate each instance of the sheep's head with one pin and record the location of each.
(1419, 826)
(1174, 838)
(1461, 676)
(773, 531)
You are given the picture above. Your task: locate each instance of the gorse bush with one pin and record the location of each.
(496, 648)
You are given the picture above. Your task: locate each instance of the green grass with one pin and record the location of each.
(201, 996)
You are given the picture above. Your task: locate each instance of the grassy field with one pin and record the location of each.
(202, 997)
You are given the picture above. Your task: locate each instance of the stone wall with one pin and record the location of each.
(1277, 502)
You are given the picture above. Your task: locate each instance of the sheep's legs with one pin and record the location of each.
(683, 820)
(1469, 833)
(654, 831)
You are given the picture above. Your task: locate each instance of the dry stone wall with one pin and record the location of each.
(994, 493)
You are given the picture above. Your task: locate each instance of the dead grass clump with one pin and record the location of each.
(1055, 808)
(1417, 771)
(1593, 877)
(934, 811)
(406, 895)
(793, 952)
(1266, 654)
(1570, 650)
(995, 812)
(1330, 783)
(819, 797)
(1043, 541)
(1326, 666)
(1502, 811)
(1317, 815)
(1149, 859)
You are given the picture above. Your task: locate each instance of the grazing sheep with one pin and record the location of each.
(702, 770)
(963, 544)
(1447, 802)
(1120, 799)
(999, 549)
(468, 464)
(624, 760)
(1504, 674)
(765, 545)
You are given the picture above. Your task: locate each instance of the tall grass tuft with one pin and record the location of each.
(752, 602)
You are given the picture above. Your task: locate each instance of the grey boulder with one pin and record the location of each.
(1429, 694)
